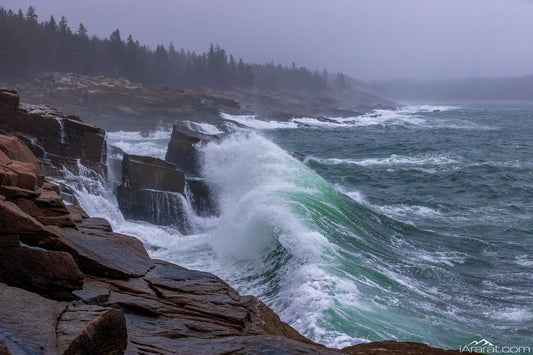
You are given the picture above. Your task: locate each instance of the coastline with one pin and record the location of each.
(95, 280)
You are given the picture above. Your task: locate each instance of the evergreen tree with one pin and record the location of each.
(28, 47)
(31, 15)
(63, 26)
(82, 31)
(51, 25)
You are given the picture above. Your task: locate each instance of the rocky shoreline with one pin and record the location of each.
(70, 285)
(115, 103)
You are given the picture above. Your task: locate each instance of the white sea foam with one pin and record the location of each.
(355, 195)
(154, 144)
(394, 159)
(203, 127)
(384, 118)
(401, 210)
(251, 177)
(439, 257)
(524, 260)
(407, 116)
(516, 314)
(252, 122)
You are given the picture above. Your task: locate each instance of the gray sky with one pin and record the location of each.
(368, 39)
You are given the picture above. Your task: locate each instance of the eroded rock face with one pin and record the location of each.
(14, 149)
(49, 273)
(154, 206)
(56, 139)
(28, 321)
(202, 199)
(139, 172)
(38, 217)
(88, 330)
(103, 253)
(182, 149)
(152, 190)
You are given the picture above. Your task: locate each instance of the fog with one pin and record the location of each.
(368, 39)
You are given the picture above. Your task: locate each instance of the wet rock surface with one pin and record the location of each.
(202, 199)
(56, 139)
(140, 172)
(152, 190)
(182, 149)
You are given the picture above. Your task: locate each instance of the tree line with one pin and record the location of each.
(28, 46)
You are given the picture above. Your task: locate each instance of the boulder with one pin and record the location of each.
(16, 221)
(201, 197)
(51, 274)
(103, 254)
(9, 99)
(77, 213)
(47, 208)
(88, 330)
(139, 172)
(152, 190)
(7, 176)
(172, 307)
(21, 175)
(28, 321)
(154, 206)
(62, 139)
(31, 324)
(16, 150)
(18, 166)
(13, 192)
(182, 149)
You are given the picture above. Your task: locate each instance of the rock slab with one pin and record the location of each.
(182, 149)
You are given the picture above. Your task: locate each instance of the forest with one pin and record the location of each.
(28, 46)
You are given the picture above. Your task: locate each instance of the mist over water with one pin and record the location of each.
(414, 225)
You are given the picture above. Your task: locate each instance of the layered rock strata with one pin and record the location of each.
(56, 140)
(183, 152)
(152, 190)
(182, 149)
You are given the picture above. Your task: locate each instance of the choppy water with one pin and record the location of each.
(415, 224)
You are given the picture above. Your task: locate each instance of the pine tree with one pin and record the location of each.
(51, 25)
(82, 32)
(63, 26)
(31, 15)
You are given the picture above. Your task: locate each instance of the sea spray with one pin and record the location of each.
(267, 237)
(432, 246)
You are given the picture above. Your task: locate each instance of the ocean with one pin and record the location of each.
(413, 224)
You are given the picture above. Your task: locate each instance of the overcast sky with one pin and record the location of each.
(368, 39)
